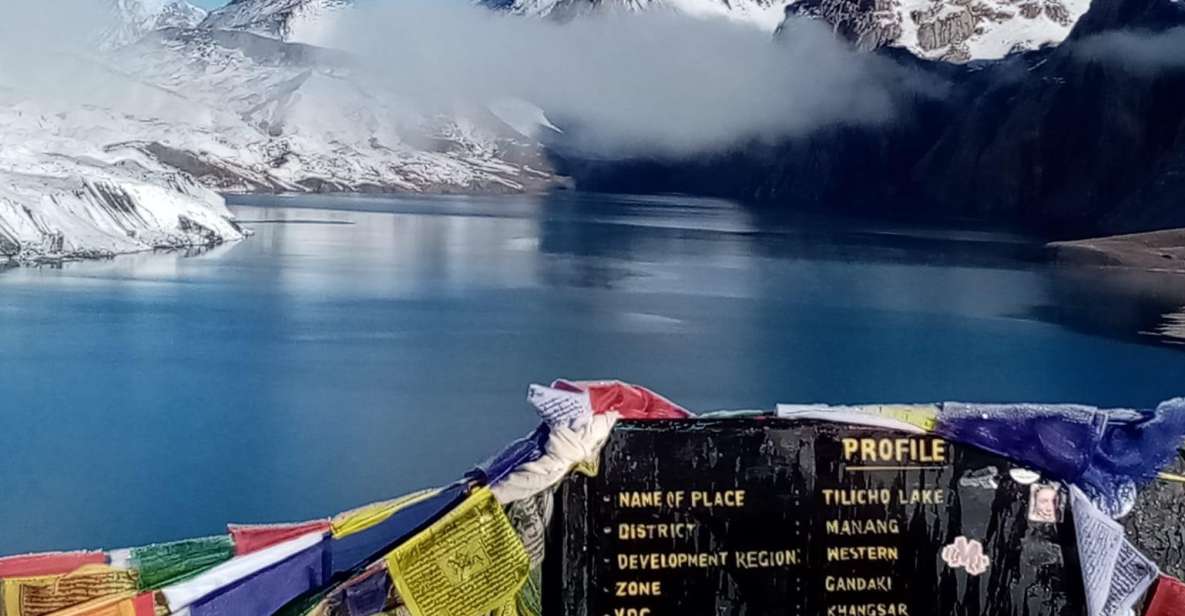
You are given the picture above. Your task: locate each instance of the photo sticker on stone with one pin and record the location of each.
(1043, 503)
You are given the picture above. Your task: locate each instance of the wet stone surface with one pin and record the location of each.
(1157, 525)
(772, 517)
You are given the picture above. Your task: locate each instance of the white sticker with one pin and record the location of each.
(1024, 476)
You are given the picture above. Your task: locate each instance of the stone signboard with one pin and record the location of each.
(767, 516)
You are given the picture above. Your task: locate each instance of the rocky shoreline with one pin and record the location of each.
(1156, 250)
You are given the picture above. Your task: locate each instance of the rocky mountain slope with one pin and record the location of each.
(1092, 139)
(950, 30)
(1084, 139)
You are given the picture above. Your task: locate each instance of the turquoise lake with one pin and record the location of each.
(357, 348)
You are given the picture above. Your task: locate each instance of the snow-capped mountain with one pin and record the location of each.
(65, 194)
(122, 154)
(132, 19)
(120, 151)
(70, 186)
(949, 30)
(763, 13)
(287, 20)
(304, 20)
(287, 116)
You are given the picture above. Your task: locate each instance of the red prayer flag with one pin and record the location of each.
(630, 401)
(49, 563)
(1168, 598)
(145, 604)
(254, 537)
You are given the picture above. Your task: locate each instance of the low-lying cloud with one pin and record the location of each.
(657, 82)
(652, 83)
(28, 29)
(1137, 51)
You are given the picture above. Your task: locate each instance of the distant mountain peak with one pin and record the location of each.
(287, 20)
(764, 13)
(302, 20)
(132, 19)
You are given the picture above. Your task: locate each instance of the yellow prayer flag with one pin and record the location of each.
(362, 518)
(468, 563)
(126, 604)
(1172, 477)
(35, 596)
(923, 416)
(588, 468)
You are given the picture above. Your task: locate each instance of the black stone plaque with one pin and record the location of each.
(768, 516)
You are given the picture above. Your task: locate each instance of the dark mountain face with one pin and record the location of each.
(1103, 16)
(1080, 140)
(842, 169)
(1085, 143)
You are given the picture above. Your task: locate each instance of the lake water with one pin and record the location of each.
(359, 348)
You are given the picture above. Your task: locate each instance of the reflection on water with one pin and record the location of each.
(1174, 327)
(358, 348)
(1113, 302)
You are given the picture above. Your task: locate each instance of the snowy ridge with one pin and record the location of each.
(949, 30)
(766, 14)
(53, 208)
(96, 212)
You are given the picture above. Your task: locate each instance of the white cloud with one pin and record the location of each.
(656, 82)
(1138, 51)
